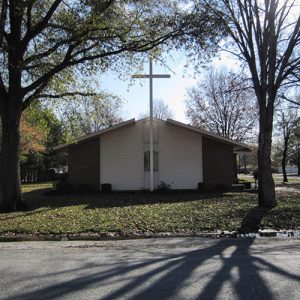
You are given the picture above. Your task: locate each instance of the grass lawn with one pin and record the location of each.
(131, 213)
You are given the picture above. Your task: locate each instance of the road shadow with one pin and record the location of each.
(251, 222)
(225, 266)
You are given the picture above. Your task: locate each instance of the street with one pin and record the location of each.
(170, 268)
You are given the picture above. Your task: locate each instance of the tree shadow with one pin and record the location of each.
(207, 270)
(41, 198)
(251, 223)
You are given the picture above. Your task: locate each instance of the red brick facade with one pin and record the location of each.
(84, 163)
(218, 164)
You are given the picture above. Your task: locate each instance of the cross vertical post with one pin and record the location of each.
(151, 146)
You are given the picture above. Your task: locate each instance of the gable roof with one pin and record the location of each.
(96, 134)
(237, 145)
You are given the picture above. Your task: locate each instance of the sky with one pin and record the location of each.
(172, 91)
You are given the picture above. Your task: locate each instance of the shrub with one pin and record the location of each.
(247, 185)
(163, 187)
(200, 187)
(106, 188)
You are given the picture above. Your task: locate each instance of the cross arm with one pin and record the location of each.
(151, 76)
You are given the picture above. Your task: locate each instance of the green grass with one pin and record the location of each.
(143, 213)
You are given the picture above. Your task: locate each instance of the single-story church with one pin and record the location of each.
(184, 156)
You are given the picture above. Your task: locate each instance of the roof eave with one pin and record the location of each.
(238, 146)
(89, 137)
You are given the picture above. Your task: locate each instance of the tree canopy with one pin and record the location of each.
(45, 46)
(222, 103)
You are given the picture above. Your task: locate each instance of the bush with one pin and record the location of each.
(247, 185)
(106, 188)
(201, 187)
(163, 187)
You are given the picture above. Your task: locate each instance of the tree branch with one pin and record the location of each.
(3, 17)
(32, 32)
(62, 95)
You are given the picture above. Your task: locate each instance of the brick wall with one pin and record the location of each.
(84, 163)
(218, 164)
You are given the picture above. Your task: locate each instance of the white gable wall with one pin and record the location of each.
(180, 157)
(122, 158)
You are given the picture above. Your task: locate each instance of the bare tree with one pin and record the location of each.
(286, 125)
(223, 104)
(85, 115)
(294, 152)
(266, 36)
(161, 110)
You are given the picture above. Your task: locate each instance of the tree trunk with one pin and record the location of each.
(298, 158)
(283, 162)
(266, 193)
(10, 193)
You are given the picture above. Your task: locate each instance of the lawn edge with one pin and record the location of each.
(22, 237)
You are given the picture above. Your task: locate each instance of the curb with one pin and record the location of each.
(20, 237)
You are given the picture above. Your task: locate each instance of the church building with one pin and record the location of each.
(184, 157)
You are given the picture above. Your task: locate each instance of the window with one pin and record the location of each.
(147, 161)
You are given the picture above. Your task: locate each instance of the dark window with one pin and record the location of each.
(147, 161)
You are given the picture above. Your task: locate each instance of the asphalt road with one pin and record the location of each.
(187, 268)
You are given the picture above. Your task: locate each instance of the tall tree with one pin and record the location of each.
(44, 44)
(223, 104)
(294, 152)
(266, 36)
(286, 125)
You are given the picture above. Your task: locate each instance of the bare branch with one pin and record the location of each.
(32, 32)
(63, 95)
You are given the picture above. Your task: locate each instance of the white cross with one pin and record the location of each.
(151, 76)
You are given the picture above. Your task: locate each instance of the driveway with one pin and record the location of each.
(186, 268)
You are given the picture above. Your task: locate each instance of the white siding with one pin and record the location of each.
(122, 158)
(180, 157)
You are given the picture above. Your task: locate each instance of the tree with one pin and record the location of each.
(266, 37)
(40, 131)
(286, 125)
(161, 110)
(222, 103)
(294, 152)
(44, 45)
(86, 115)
